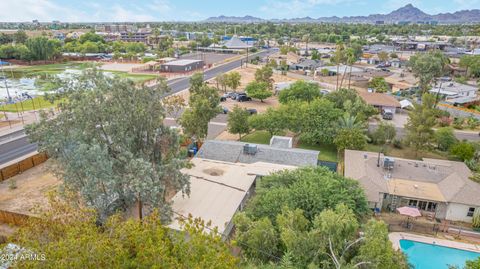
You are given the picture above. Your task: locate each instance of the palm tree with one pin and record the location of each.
(338, 58)
(348, 121)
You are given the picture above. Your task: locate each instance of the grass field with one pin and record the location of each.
(135, 77)
(38, 102)
(257, 137)
(328, 152)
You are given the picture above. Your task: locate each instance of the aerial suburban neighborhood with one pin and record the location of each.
(308, 134)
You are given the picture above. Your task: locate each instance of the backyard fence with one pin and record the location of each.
(21, 166)
(433, 229)
(13, 218)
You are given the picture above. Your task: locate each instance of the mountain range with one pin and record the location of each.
(408, 13)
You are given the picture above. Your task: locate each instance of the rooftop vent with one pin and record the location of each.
(250, 149)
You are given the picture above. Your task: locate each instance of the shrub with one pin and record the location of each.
(476, 221)
(444, 121)
(397, 143)
(458, 123)
(463, 150)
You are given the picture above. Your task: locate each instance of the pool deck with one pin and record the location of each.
(396, 237)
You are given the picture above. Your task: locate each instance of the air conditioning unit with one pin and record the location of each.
(250, 149)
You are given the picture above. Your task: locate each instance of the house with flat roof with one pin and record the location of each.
(456, 93)
(218, 190)
(240, 152)
(440, 188)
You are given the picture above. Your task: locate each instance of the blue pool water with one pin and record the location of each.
(428, 256)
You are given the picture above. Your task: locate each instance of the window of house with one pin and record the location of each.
(470, 212)
(422, 205)
(412, 202)
(431, 206)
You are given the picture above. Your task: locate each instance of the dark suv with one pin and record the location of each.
(243, 98)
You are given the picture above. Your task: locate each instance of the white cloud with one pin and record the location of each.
(48, 10)
(44, 10)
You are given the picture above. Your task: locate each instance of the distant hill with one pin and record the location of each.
(406, 13)
(244, 19)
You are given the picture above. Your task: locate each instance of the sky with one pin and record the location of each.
(196, 10)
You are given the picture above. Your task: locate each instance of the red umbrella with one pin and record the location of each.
(409, 211)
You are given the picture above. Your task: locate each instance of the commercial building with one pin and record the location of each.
(182, 66)
(439, 188)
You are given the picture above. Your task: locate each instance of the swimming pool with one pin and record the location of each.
(428, 256)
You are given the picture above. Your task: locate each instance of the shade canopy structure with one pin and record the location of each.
(409, 211)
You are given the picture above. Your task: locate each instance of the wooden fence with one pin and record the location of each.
(21, 166)
(13, 218)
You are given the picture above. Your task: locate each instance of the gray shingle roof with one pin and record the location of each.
(232, 151)
(451, 178)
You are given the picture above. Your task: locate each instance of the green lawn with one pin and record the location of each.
(257, 137)
(328, 152)
(38, 102)
(135, 77)
(407, 152)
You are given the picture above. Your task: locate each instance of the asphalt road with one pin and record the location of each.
(15, 144)
(15, 148)
(181, 84)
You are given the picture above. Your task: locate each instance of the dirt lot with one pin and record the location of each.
(30, 192)
(248, 75)
(119, 67)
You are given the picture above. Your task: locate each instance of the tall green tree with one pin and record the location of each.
(233, 80)
(377, 250)
(274, 121)
(379, 85)
(69, 237)
(42, 48)
(203, 106)
(265, 74)
(445, 138)
(237, 122)
(385, 133)
(428, 66)
(420, 123)
(300, 91)
(110, 145)
(258, 90)
(20, 37)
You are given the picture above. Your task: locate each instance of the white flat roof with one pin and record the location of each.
(217, 189)
(182, 62)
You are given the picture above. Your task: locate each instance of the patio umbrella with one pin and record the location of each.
(409, 212)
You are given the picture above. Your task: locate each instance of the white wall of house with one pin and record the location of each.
(459, 212)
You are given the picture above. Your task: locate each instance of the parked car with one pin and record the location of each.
(231, 95)
(252, 111)
(223, 99)
(243, 98)
(387, 114)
